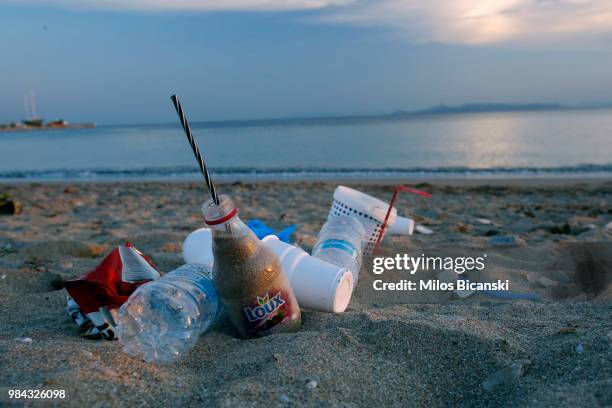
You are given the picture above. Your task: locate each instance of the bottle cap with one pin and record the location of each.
(218, 214)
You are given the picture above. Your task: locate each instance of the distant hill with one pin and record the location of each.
(483, 107)
(400, 114)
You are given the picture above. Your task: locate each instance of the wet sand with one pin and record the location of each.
(389, 349)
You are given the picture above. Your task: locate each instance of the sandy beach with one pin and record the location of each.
(389, 348)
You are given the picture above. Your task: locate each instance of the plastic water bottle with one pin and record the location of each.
(341, 242)
(162, 320)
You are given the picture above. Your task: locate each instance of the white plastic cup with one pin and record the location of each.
(401, 226)
(371, 212)
(318, 285)
(197, 248)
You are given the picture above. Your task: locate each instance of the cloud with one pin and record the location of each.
(194, 5)
(441, 21)
(484, 21)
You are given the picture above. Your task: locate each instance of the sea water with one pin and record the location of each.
(518, 144)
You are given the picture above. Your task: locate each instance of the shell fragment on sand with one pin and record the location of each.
(464, 293)
(484, 221)
(547, 282)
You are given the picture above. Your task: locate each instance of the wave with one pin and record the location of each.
(301, 173)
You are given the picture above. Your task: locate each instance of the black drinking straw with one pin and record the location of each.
(194, 147)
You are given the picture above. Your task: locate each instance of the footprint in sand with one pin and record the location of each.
(50, 250)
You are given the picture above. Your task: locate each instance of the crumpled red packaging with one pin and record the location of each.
(98, 293)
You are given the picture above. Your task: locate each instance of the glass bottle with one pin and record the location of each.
(248, 276)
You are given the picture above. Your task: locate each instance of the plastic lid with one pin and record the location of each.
(364, 203)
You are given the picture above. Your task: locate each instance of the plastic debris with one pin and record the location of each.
(197, 248)
(547, 282)
(484, 221)
(24, 339)
(251, 283)
(340, 243)
(262, 230)
(312, 384)
(580, 348)
(96, 295)
(163, 320)
(506, 241)
(421, 229)
(283, 398)
(77, 316)
(378, 217)
(506, 374)
(318, 284)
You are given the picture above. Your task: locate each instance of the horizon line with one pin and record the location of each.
(435, 110)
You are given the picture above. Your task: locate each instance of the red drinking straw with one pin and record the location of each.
(395, 193)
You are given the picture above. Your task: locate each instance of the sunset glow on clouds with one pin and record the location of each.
(487, 21)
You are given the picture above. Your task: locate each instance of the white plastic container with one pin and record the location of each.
(197, 248)
(371, 212)
(317, 284)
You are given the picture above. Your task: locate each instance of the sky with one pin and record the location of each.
(118, 61)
